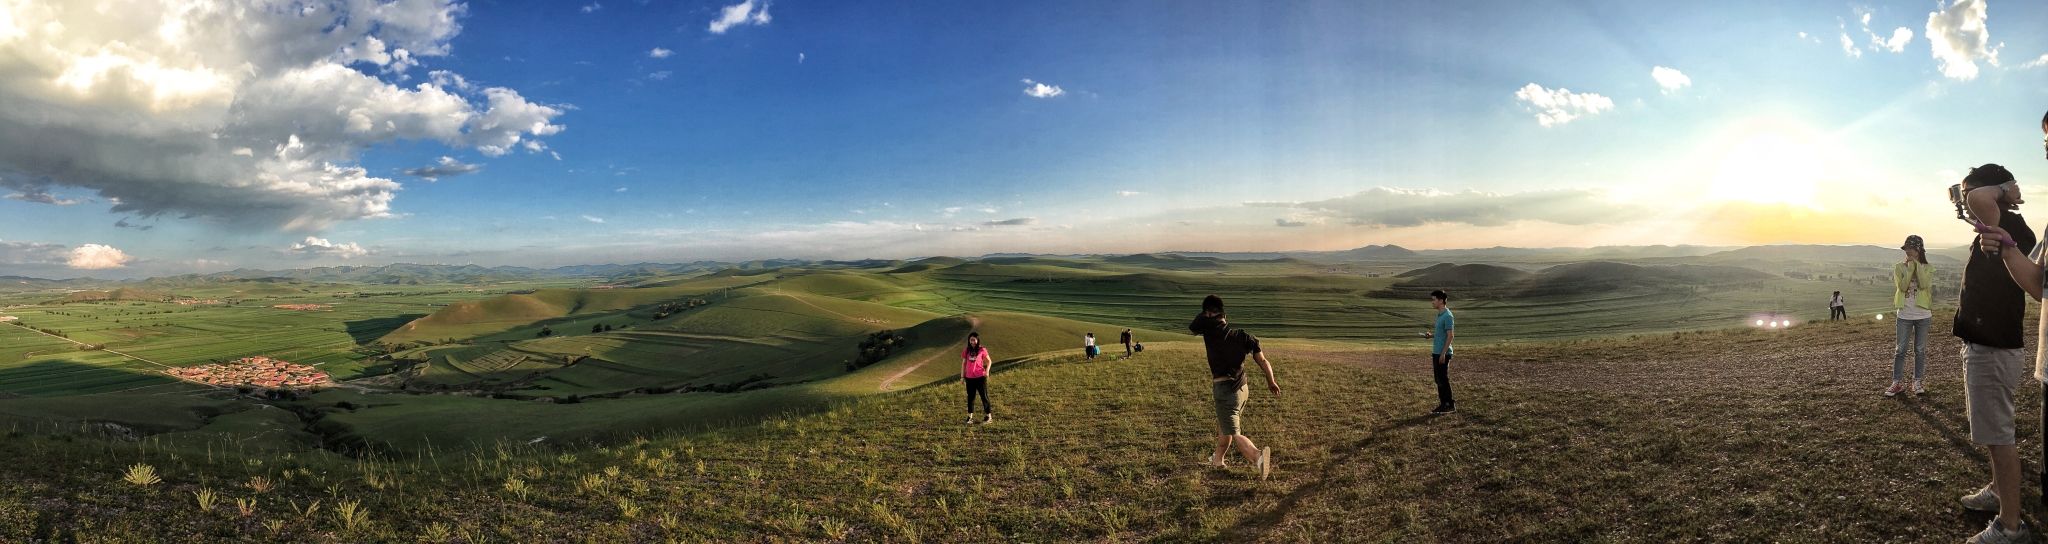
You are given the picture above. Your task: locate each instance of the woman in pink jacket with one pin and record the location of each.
(974, 365)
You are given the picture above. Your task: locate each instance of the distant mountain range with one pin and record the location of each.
(416, 274)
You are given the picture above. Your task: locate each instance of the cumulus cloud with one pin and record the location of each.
(40, 195)
(2037, 63)
(447, 167)
(1897, 43)
(322, 247)
(1849, 46)
(592, 7)
(1036, 89)
(1395, 208)
(1021, 221)
(1670, 79)
(1555, 107)
(598, 220)
(97, 257)
(741, 14)
(660, 53)
(1958, 38)
(237, 111)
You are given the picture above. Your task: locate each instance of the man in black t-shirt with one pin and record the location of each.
(1989, 321)
(1227, 348)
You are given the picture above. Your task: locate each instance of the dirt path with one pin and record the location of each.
(972, 324)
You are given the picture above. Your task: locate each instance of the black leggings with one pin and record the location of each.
(978, 386)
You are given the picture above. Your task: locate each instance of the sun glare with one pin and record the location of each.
(1770, 163)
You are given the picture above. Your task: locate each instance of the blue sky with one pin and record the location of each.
(630, 131)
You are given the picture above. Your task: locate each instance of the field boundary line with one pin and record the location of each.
(103, 348)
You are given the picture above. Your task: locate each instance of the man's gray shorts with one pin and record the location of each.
(1989, 376)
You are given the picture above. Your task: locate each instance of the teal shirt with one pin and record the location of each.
(1444, 324)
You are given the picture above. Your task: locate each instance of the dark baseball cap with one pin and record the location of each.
(1913, 242)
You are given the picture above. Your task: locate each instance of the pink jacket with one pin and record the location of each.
(974, 364)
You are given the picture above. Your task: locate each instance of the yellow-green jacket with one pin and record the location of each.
(1902, 274)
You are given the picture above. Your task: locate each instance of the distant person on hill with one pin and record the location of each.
(1912, 296)
(1227, 348)
(1440, 350)
(1836, 310)
(974, 367)
(1088, 345)
(1126, 341)
(1988, 320)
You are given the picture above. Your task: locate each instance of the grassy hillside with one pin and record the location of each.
(1695, 437)
(507, 312)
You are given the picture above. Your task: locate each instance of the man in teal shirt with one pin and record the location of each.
(1440, 351)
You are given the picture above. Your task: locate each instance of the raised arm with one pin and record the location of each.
(2026, 272)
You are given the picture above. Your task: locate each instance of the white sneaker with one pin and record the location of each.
(970, 418)
(990, 418)
(1997, 534)
(1216, 461)
(1265, 462)
(1984, 500)
(1919, 388)
(1895, 389)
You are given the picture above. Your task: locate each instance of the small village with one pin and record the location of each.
(301, 307)
(255, 371)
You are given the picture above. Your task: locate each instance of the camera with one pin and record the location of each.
(1955, 196)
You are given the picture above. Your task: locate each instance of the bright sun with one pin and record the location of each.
(1770, 163)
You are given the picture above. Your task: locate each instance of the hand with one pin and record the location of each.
(1990, 239)
(1274, 387)
(1429, 335)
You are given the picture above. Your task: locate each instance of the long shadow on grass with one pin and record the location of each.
(365, 331)
(1946, 423)
(1265, 520)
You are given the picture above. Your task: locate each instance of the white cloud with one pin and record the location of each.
(40, 196)
(619, 190)
(660, 53)
(660, 76)
(1287, 223)
(1036, 89)
(1958, 37)
(592, 7)
(314, 246)
(167, 109)
(1849, 47)
(447, 167)
(741, 14)
(97, 257)
(1018, 222)
(1670, 79)
(799, 57)
(2037, 63)
(1128, 193)
(598, 220)
(950, 211)
(1897, 43)
(1560, 106)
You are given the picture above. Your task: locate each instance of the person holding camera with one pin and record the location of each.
(1837, 310)
(1996, 283)
(1912, 296)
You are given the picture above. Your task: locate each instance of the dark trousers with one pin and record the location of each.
(1441, 363)
(1127, 349)
(978, 386)
(1837, 312)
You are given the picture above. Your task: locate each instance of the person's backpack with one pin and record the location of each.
(1138, 347)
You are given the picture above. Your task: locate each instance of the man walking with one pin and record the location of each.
(1227, 348)
(1126, 341)
(1440, 351)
